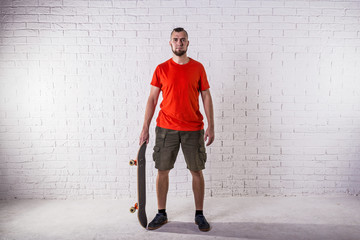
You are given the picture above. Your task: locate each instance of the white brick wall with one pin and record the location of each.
(74, 79)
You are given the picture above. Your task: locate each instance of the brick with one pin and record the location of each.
(51, 3)
(19, 3)
(38, 10)
(76, 3)
(247, 19)
(51, 18)
(261, 11)
(26, 18)
(82, 19)
(284, 11)
(242, 3)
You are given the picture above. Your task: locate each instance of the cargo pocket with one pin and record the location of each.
(202, 154)
(156, 154)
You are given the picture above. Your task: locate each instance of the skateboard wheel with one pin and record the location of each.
(132, 209)
(132, 162)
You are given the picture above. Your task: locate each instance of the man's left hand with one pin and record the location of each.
(209, 136)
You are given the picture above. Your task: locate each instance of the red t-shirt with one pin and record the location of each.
(180, 86)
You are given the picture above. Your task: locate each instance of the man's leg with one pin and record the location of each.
(167, 145)
(199, 190)
(162, 186)
(198, 186)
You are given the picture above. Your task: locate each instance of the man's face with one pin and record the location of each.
(179, 43)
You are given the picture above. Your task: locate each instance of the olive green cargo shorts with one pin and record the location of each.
(167, 147)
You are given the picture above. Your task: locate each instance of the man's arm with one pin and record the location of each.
(149, 113)
(209, 111)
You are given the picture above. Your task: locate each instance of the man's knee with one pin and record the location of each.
(196, 174)
(163, 173)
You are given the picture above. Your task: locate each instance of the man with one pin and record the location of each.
(179, 123)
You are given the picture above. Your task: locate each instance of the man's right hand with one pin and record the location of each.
(144, 136)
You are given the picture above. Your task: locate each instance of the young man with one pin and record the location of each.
(180, 123)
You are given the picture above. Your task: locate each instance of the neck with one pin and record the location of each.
(181, 60)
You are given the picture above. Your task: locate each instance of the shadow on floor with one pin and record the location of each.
(268, 231)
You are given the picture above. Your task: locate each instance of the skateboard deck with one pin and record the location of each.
(140, 162)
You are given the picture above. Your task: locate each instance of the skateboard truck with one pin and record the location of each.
(134, 208)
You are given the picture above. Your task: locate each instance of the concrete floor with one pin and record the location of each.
(270, 218)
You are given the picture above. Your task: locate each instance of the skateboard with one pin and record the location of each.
(140, 162)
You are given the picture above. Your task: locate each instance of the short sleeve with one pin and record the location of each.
(204, 84)
(156, 81)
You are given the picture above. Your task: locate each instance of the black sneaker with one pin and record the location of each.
(202, 223)
(158, 221)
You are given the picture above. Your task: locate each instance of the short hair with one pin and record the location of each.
(179, 29)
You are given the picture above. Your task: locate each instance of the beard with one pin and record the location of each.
(179, 53)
